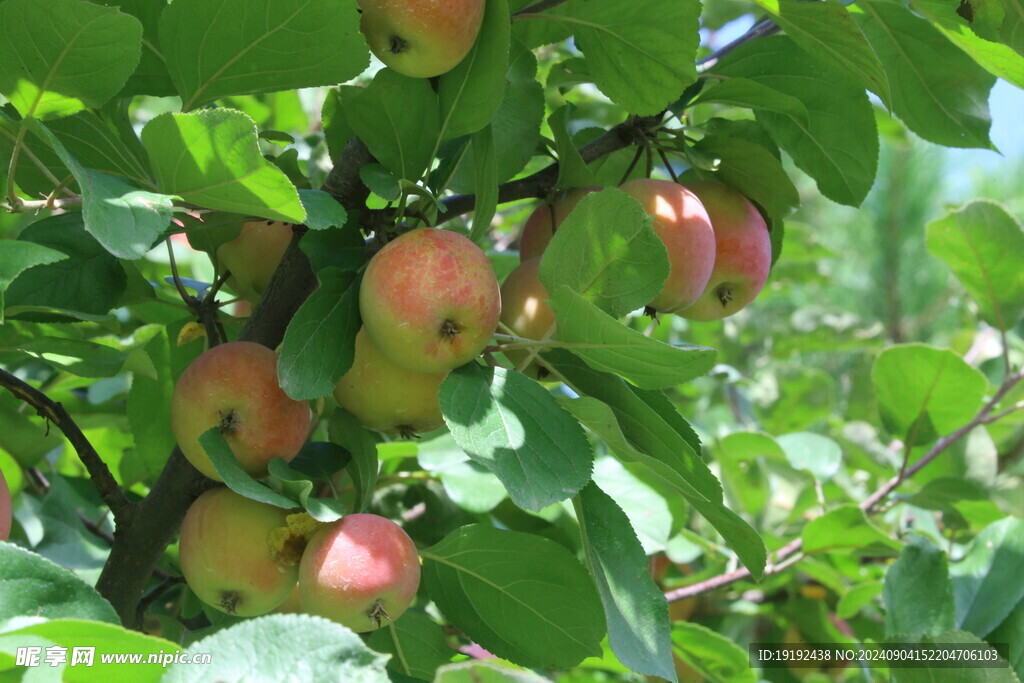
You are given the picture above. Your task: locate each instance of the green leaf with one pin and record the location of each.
(857, 597)
(929, 672)
(845, 528)
(344, 429)
(641, 53)
(89, 282)
(1008, 632)
(606, 251)
(754, 171)
(397, 117)
(486, 671)
(63, 56)
(984, 246)
(125, 220)
(470, 93)
(646, 507)
(94, 144)
(322, 210)
(512, 426)
(469, 484)
(572, 170)
(234, 47)
(486, 185)
(943, 493)
(742, 456)
(319, 343)
(609, 346)
(838, 145)
(79, 633)
(918, 593)
(988, 581)
(634, 606)
(523, 597)
(31, 585)
(16, 257)
(828, 33)
(151, 76)
(416, 644)
(299, 484)
(996, 58)
(211, 158)
(817, 454)
(924, 393)
(750, 94)
(237, 479)
(713, 655)
(266, 648)
(637, 432)
(941, 94)
(79, 357)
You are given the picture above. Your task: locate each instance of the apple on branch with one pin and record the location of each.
(386, 397)
(421, 38)
(361, 571)
(743, 252)
(228, 556)
(544, 221)
(234, 387)
(253, 256)
(430, 300)
(525, 311)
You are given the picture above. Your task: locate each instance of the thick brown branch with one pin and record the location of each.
(868, 505)
(54, 412)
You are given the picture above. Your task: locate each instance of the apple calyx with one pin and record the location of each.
(450, 330)
(724, 293)
(378, 615)
(229, 601)
(397, 45)
(229, 421)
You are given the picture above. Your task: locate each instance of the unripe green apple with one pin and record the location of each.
(743, 253)
(429, 300)
(682, 224)
(228, 556)
(386, 397)
(544, 221)
(6, 509)
(234, 387)
(525, 310)
(421, 38)
(361, 571)
(253, 256)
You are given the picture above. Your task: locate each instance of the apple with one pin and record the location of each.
(361, 571)
(525, 310)
(430, 300)
(253, 256)
(386, 397)
(544, 221)
(743, 253)
(421, 38)
(683, 225)
(227, 557)
(6, 509)
(234, 387)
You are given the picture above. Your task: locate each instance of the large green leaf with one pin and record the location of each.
(319, 344)
(838, 144)
(512, 426)
(918, 593)
(268, 649)
(749, 94)
(16, 256)
(32, 586)
(125, 220)
(398, 119)
(212, 158)
(742, 458)
(941, 94)
(1009, 632)
(62, 56)
(416, 644)
(95, 144)
(608, 345)
(988, 581)
(607, 252)
(984, 247)
(924, 393)
(151, 76)
(828, 33)
(471, 93)
(634, 607)
(344, 429)
(233, 47)
(845, 528)
(711, 654)
(753, 170)
(521, 596)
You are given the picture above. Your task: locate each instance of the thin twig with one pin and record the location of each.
(54, 412)
(535, 8)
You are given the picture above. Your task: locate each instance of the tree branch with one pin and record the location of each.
(55, 413)
(761, 29)
(535, 8)
(868, 505)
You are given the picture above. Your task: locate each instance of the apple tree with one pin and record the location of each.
(653, 458)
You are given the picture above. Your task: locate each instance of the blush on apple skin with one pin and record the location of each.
(525, 310)
(743, 255)
(361, 571)
(545, 220)
(234, 387)
(430, 300)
